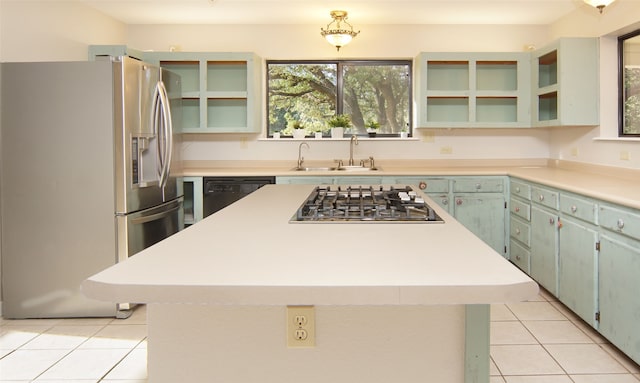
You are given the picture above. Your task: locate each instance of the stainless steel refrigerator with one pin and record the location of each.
(89, 153)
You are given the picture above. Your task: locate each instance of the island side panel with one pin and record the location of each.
(247, 344)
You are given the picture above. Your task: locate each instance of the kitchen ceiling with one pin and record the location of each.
(361, 12)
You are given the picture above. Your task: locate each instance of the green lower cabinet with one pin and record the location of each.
(442, 199)
(484, 215)
(519, 255)
(619, 298)
(543, 261)
(577, 273)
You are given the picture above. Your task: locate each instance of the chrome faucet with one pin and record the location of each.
(354, 141)
(300, 158)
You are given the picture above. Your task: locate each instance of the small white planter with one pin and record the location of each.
(298, 133)
(337, 132)
(318, 135)
(404, 134)
(276, 135)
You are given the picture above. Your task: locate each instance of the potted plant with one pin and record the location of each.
(338, 124)
(372, 128)
(318, 132)
(404, 133)
(298, 129)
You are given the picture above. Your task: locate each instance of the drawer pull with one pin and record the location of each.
(552, 221)
(620, 223)
(458, 202)
(518, 189)
(517, 209)
(445, 201)
(518, 257)
(478, 186)
(517, 231)
(541, 197)
(422, 185)
(574, 208)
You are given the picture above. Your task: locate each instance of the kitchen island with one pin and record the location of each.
(393, 301)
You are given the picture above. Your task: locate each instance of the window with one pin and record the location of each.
(629, 84)
(311, 92)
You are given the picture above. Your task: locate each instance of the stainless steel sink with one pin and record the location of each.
(355, 168)
(314, 169)
(340, 169)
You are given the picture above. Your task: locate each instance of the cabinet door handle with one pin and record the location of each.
(517, 231)
(541, 197)
(422, 185)
(518, 257)
(552, 221)
(518, 189)
(445, 201)
(459, 202)
(574, 208)
(620, 223)
(478, 186)
(517, 209)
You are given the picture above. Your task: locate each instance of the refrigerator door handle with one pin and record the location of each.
(168, 125)
(162, 117)
(154, 217)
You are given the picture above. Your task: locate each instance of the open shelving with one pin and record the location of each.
(473, 90)
(219, 90)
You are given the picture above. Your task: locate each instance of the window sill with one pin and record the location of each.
(618, 139)
(328, 139)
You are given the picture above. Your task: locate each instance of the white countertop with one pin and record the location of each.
(616, 185)
(249, 254)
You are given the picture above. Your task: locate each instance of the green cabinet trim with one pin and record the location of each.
(221, 92)
(557, 85)
(467, 90)
(566, 83)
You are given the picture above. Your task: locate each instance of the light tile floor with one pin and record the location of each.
(532, 342)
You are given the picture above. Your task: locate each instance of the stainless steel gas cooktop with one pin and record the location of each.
(365, 204)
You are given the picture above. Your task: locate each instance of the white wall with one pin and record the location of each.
(53, 31)
(599, 145)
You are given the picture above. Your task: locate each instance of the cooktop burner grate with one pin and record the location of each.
(365, 204)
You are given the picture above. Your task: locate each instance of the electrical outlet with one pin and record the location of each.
(301, 325)
(624, 155)
(446, 150)
(428, 136)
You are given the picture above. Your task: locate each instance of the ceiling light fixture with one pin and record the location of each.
(600, 4)
(336, 34)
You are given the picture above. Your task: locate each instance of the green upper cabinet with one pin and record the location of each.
(566, 83)
(473, 90)
(220, 91)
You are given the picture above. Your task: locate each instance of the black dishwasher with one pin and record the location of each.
(220, 192)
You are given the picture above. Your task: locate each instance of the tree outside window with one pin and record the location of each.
(311, 92)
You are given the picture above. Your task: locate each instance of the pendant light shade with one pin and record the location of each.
(600, 4)
(339, 32)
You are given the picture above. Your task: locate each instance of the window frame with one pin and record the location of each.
(621, 86)
(340, 86)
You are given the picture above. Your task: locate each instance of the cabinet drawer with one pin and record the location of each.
(478, 185)
(579, 208)
(520, 231)
(620, 221)
(428, 185)
(521, 209)
(520, 189)
(519, 256)
(545, 197)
